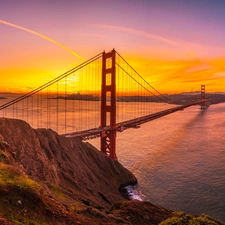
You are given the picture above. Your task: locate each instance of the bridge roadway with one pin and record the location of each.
(133, 123)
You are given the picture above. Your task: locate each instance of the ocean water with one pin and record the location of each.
(179, 160)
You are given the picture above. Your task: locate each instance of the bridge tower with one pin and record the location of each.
(108, 104)
(203, 98)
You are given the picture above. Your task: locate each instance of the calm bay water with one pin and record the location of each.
(179, 160)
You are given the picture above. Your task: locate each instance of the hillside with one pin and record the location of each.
(49, 179)
(184, 98)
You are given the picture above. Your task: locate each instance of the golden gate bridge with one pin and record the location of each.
(98, 98)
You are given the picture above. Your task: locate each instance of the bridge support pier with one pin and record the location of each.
(108, 104)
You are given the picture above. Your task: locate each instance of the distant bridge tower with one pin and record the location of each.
(108, 104)
(204, 103)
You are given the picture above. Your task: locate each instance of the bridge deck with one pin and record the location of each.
(133, 123)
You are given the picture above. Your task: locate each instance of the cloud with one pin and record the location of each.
(219, 75)
(42, 36)
(138, 33)
(175, 47)
(201, 67)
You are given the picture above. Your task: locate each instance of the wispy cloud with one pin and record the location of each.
(138, 33)
(201, 67)
(183, 47)
(42, 36)
(219, 75)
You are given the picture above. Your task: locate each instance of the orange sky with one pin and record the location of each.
(175, 47)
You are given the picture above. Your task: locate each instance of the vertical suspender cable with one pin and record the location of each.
(41, 111)
(27, 111)
(22, 110)
(47, 108)
(32, 110)
(57, 106)
(13, 111)
(37, 110)
(73, 100)
(65, 111)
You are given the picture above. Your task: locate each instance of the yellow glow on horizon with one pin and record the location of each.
(181, 75)
(165, 76)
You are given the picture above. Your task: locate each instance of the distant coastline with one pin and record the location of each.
(184, 98)
(84, 97)
(179, 99)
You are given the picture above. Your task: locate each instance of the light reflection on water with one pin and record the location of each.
(179, 160)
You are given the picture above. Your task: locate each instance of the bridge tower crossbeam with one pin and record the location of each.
(108, 104)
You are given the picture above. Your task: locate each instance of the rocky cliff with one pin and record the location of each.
(77, 168)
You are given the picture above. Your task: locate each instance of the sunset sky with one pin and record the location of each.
(176, 45)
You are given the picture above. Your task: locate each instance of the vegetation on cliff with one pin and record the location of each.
(49, 179)
(180, 218)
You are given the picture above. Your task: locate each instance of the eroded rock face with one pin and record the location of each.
(80, 170)
(25, 149)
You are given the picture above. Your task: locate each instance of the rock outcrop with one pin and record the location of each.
(77, 168)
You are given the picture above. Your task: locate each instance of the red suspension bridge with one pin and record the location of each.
(98, 98)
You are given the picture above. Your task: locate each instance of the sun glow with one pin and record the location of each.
(20, 79)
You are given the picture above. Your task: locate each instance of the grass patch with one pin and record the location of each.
(181, 218)
(19, 198)
(56, 190)
(9, 176)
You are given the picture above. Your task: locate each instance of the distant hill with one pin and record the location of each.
(184, 98)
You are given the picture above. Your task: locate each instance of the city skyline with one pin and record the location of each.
(175, 45)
